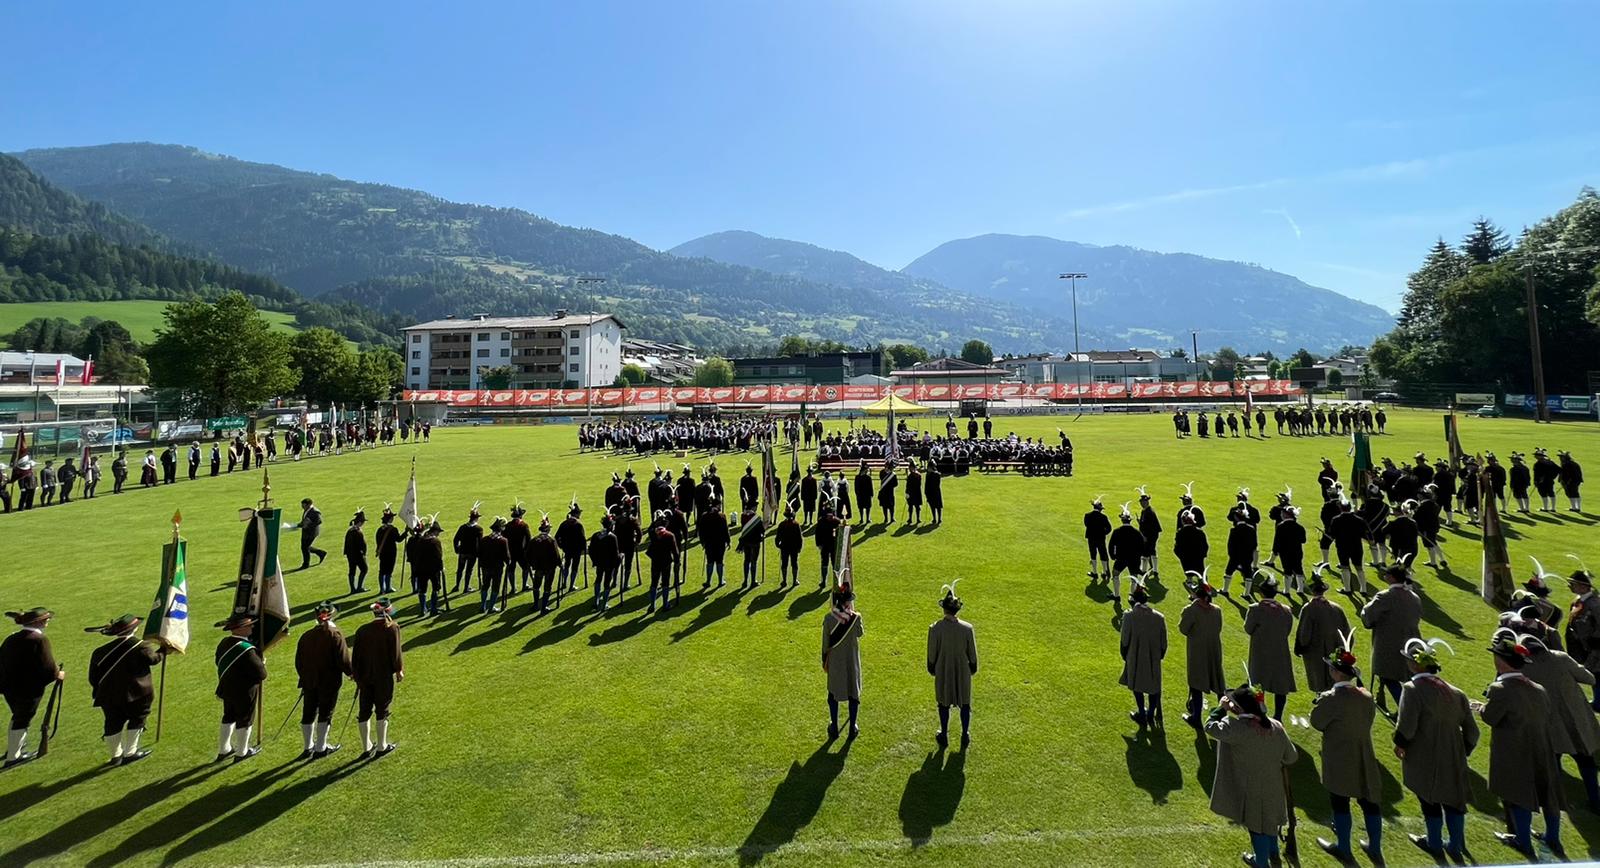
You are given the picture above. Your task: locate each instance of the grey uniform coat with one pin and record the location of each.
(1394, 615)
(1248, 788)
(1343, 714)
(1316, 637)
(843, 661)
(1268, 624)
(1437, 731)
(1522, 766)
(952, 660)
(1201, 625)
(1573, 728)
(1144, 644)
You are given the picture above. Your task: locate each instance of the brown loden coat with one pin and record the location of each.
(1144, 644)
(1316, 637)
(1269, 623)
(1343, 714)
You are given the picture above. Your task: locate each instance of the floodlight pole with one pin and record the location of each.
(1077, 369)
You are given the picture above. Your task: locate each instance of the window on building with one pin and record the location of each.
(574, 334)
(573, 351)
(505, 352)
(505, 336)
(554, 336)
(572, 368)
(416, 354)
(483, 353)
(416, 372)
(483, 336)
(416, 339)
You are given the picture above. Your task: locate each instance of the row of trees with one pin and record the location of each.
(223, 358)
(117, 356)
(1464, 317)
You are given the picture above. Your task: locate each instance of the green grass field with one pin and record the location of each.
(140, 318)
(698, 737)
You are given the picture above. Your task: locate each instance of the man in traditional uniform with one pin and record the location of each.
(544, 558)
(1524, 768)
(1433, 735)
(355, 552)
(1394, 615)
(1269, 624)
(1201, 626)
(826, 536)
(240, 671)
(496, 570)
(119, 680)
(913, 493)
(1096, 527)
(1127, 550)
(388, 540)
(1242, 543)
(952, 661)
(863, 487)
(1187, 505)
(808, 495)
(1252, 752)
(310, 526)
(1349, 532)
(790, 540)
(1573, 729)
(518, 538)
(1322, 631)
(933, 491)
(1190, 546)
(194, 460)
(749, 489)
(662, 550)
(1570, 475)
(1143, 646)
(606, 553)
(425, 554)
(1343, 713)
(322, 661)
(1288, 548)
(1150, 529)
(27, 667)
(841, 658)
(465, 545)
(714, 538)
(377, 662)
(572, 539)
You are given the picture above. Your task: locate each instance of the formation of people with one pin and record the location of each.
(29, 483)
(647, 436)
(1291, 421)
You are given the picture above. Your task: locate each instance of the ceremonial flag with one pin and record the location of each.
(261, 592)
(19, 451)
(88, 372)
(1452, 440)
(769, 485)
(1361, 466)
(408, 504)
(1498, 582)
(843, 561)
(61, 373)
(893, 450)
(1249, 401)
(794, 457)
(169, 614)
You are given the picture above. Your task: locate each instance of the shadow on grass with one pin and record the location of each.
(932, 794)
(186, 819)
(251, 816)
(567, 622)
(1151, 766)
(1205, 755)
(30, 796)
(448, 624)
(810, 601)
(767, 600)
(1309, 794)
(509, 622)
(1432, 614)
(1449, 577)
(721, 606)
(794, 803)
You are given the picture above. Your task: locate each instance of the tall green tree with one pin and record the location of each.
(977, 352)
(1485, 243)
(633, 375)
(900, 357)
(714, 371)
(377, 374)
(221, 358)
(498, 377)
(324, 363)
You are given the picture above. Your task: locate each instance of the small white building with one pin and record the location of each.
(560, 351)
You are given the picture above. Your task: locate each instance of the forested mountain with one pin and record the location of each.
(54, 246)
(1148, 299)
(402, 251)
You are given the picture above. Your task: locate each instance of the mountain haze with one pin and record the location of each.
(1148, 299)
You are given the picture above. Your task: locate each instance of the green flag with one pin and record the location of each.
(169, 614)
(260, 592)
(1361, 464)
(1452, 440)
(1498, 582)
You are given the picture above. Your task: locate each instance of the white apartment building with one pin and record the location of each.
(564, 350)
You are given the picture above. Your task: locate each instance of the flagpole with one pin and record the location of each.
(161, 689)
(261, 692)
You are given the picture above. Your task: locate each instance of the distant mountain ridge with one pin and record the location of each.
(1153, 299)
(408, 252)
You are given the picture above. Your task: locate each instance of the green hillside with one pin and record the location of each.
(140, 318)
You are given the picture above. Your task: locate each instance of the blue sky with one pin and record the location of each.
(1333, 141)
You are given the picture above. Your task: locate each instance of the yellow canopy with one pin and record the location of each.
(894, 402)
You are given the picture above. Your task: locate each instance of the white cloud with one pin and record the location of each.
(1284, 213)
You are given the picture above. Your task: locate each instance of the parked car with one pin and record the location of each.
(1386, 397)
(1489, 411)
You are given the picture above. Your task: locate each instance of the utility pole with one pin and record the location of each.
(1194, 339)
(1541, 411)
(1077, 354)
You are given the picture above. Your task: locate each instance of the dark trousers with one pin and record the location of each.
(660, 581)
(544, 583)
(788, 561)
(466, 563)
(308, 548)
(239, 709)
(125, 715)
(570, 567)
(827, 561)
(23, 708)
(489, 585)
(194, 468)
(116, 484)
(358, 572)
(319, 703)
(430, 586)
(374, 699)
(386, 573)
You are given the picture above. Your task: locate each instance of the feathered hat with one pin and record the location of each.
(1188, 492)
(1098, 503)
(1286, 496)
(474, 511)
(572, 508)
(1136, 590)
(1316, 585)
(1244, 494)
(517, 509)
(1343, 659)
(1127, 514)
(544, 520)
(1425, 652)
(842, 592)
(1508, 646)
(388, 510)
(1197, 585)
(1582, 575)
(950, 602)
(1266, 584)
(1537, 583)
(121, 626)
(1144, 496)
(325, 611)
(360, 515)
